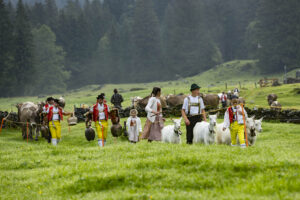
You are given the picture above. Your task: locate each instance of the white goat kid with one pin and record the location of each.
(172, 133)
(204, 132)
(223, 137)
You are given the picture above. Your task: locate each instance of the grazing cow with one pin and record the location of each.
(211, 100)
(271, 98)
(204, 132)
(175, 100)
(143, 102)
(28, 112)
(276, 106)
(171, 133)
(134, 101)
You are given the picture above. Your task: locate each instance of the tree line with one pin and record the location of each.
(46, 48)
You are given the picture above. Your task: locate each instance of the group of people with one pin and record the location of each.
(193, 111)
(229, 96)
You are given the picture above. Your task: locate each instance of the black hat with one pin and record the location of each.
(50, 99)
(101, 96)
(194, 86)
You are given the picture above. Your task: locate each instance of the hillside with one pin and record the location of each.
(211, 81)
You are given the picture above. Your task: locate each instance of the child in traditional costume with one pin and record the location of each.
(134, 126)
(55, 115)
(100, 116)
(234, 120)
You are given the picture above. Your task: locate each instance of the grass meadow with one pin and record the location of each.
(78, 169)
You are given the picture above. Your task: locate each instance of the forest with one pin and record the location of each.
(49, 46)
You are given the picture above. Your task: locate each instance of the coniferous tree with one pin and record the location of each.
(279, 34)
(49, 62)
(23, 52)
(188, 46)
(147, 44)
(7, 71)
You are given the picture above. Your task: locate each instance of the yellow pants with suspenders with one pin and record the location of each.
(99, 129)
(237, 130)
(55, 129)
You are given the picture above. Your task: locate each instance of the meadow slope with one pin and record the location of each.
(77, 169)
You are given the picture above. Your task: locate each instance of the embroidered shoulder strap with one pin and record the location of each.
(189, 105)
(199, 105)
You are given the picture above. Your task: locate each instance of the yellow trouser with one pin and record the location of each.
(237, 129)
(55, 130)
(99, 128)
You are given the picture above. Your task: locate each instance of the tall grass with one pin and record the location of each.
(78, 169)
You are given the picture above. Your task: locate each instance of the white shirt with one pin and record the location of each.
(45, 110)
(55, 113)
(239, 116)
(152, 106)
(194, 109)
(223, 97)
(101, 111)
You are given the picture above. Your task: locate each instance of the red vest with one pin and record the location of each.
(230, 111)
(96, 112)
(223, 96)
(50, 114)
(47, 106)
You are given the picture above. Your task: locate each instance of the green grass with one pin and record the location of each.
(77, 169)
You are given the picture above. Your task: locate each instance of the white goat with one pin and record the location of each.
(204, 132)
(253, 128)
(171, 133)
(223, 137)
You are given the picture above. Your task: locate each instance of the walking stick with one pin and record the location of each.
(102, 133)
(245, 129)
(1, 125)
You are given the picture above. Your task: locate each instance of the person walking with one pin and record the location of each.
(154, 123)
(193, 111)
(134, 126)
(55, 116)
(234, 120)
(100, 116)
(224, 100)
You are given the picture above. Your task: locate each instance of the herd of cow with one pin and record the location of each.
(210, 101)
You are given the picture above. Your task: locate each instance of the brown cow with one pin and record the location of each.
(175, 100)
(143, 102)
(271, 98)
(211, 100)
(29, 112)
(276, 106)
